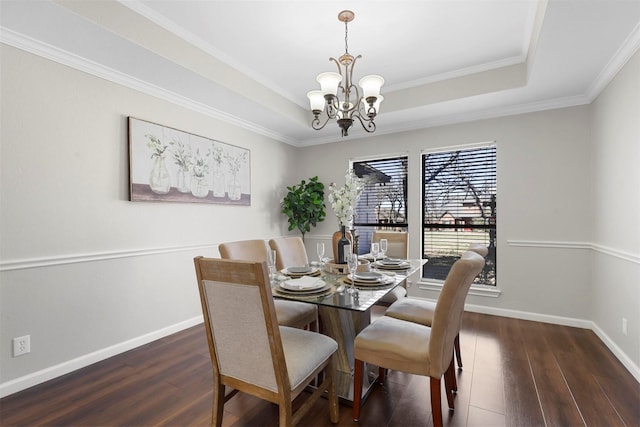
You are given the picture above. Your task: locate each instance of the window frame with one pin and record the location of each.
(434, 283)
(368, 227)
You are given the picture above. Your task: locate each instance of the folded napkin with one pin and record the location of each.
(305, 282)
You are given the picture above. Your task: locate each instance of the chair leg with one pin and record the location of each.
(357, 388)
(456, 346)
(286, 415)
(436, 409)
(333, 395)
(451, 371)
(449, 379)
(382, 375)
(218, 404)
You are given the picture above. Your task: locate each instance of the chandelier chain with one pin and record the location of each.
(346, 32)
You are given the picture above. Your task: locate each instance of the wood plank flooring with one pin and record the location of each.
(516, 373)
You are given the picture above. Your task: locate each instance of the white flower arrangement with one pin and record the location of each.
(343, 200)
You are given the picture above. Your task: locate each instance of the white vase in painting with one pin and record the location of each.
(159, 179)
(234, 191)
(219, 187)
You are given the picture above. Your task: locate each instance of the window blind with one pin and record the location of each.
(383, 202)
(459, 208)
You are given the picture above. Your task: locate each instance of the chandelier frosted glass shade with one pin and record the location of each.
(339, 99)
(371, 85)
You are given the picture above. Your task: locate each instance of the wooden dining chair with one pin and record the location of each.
(421, 311)
(398, 247)
(289, 313)
(290, 252)
(250, 352)
(391, 343)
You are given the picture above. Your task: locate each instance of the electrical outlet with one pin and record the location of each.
(624, 325)
(21, 345)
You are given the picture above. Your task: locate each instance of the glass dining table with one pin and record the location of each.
(343, 313)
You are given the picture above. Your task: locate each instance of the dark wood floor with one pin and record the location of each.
(516, 373)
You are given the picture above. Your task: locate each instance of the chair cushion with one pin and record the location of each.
(295, 314)
(399, 292)
(412, 310)
(395, 344)
(304, 352)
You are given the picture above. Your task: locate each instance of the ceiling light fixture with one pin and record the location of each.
(351, 105)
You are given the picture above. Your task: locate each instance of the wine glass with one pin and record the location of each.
(375, 251)
(384, 245)
(352, 265)
(271, 255)
(320, 251)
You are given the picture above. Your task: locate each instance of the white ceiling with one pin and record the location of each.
(252, 62)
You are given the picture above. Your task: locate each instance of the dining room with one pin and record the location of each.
(97, 280)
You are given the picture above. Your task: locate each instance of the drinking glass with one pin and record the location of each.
(352, 265)
(271, 255)
(384, 245)
(375, 251)
(320, 251)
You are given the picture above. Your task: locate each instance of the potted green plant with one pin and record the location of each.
(304, 205)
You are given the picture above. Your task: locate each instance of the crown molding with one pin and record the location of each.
(47, 51)
(615, 64)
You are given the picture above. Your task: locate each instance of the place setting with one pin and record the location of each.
(369, 280)
(392, 264)
(301, 271)
(306, 286)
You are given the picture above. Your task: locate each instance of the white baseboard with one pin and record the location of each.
(621, 355)
(47, 374)
(565, 321)
(39, 377)
(559, 320)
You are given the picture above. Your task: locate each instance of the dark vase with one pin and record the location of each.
(344, 246)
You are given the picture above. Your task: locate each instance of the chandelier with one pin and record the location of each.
(339, 98)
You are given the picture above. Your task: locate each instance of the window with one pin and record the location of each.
(383, 203)
(459, 208)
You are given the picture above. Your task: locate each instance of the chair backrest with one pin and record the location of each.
(290, 252)
(248, 250)
(479, 249)
(238, 311)
(447, 317)
(397, 243)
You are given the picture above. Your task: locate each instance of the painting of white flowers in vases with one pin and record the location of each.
(170, 165)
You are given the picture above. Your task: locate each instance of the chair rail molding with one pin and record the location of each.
(627, 256)
(22, 264)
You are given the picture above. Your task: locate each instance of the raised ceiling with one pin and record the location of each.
(252, 62)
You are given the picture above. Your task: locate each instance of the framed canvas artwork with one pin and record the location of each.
(170, 165)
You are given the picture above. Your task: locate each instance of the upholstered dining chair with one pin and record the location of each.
(289, 313)
(290, 252)
(398, 242)
(421, 311)
(391, 343)
(250, 352)
(398, 247)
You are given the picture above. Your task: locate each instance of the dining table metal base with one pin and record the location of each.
(343, 326)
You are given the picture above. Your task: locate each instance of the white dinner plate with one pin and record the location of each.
(300, 270)
(368, 276)
(303, 284)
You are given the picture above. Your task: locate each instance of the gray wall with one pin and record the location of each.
(88, 274)
(85, 272)
(615, 262)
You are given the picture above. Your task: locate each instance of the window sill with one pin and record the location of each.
(486, 291)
